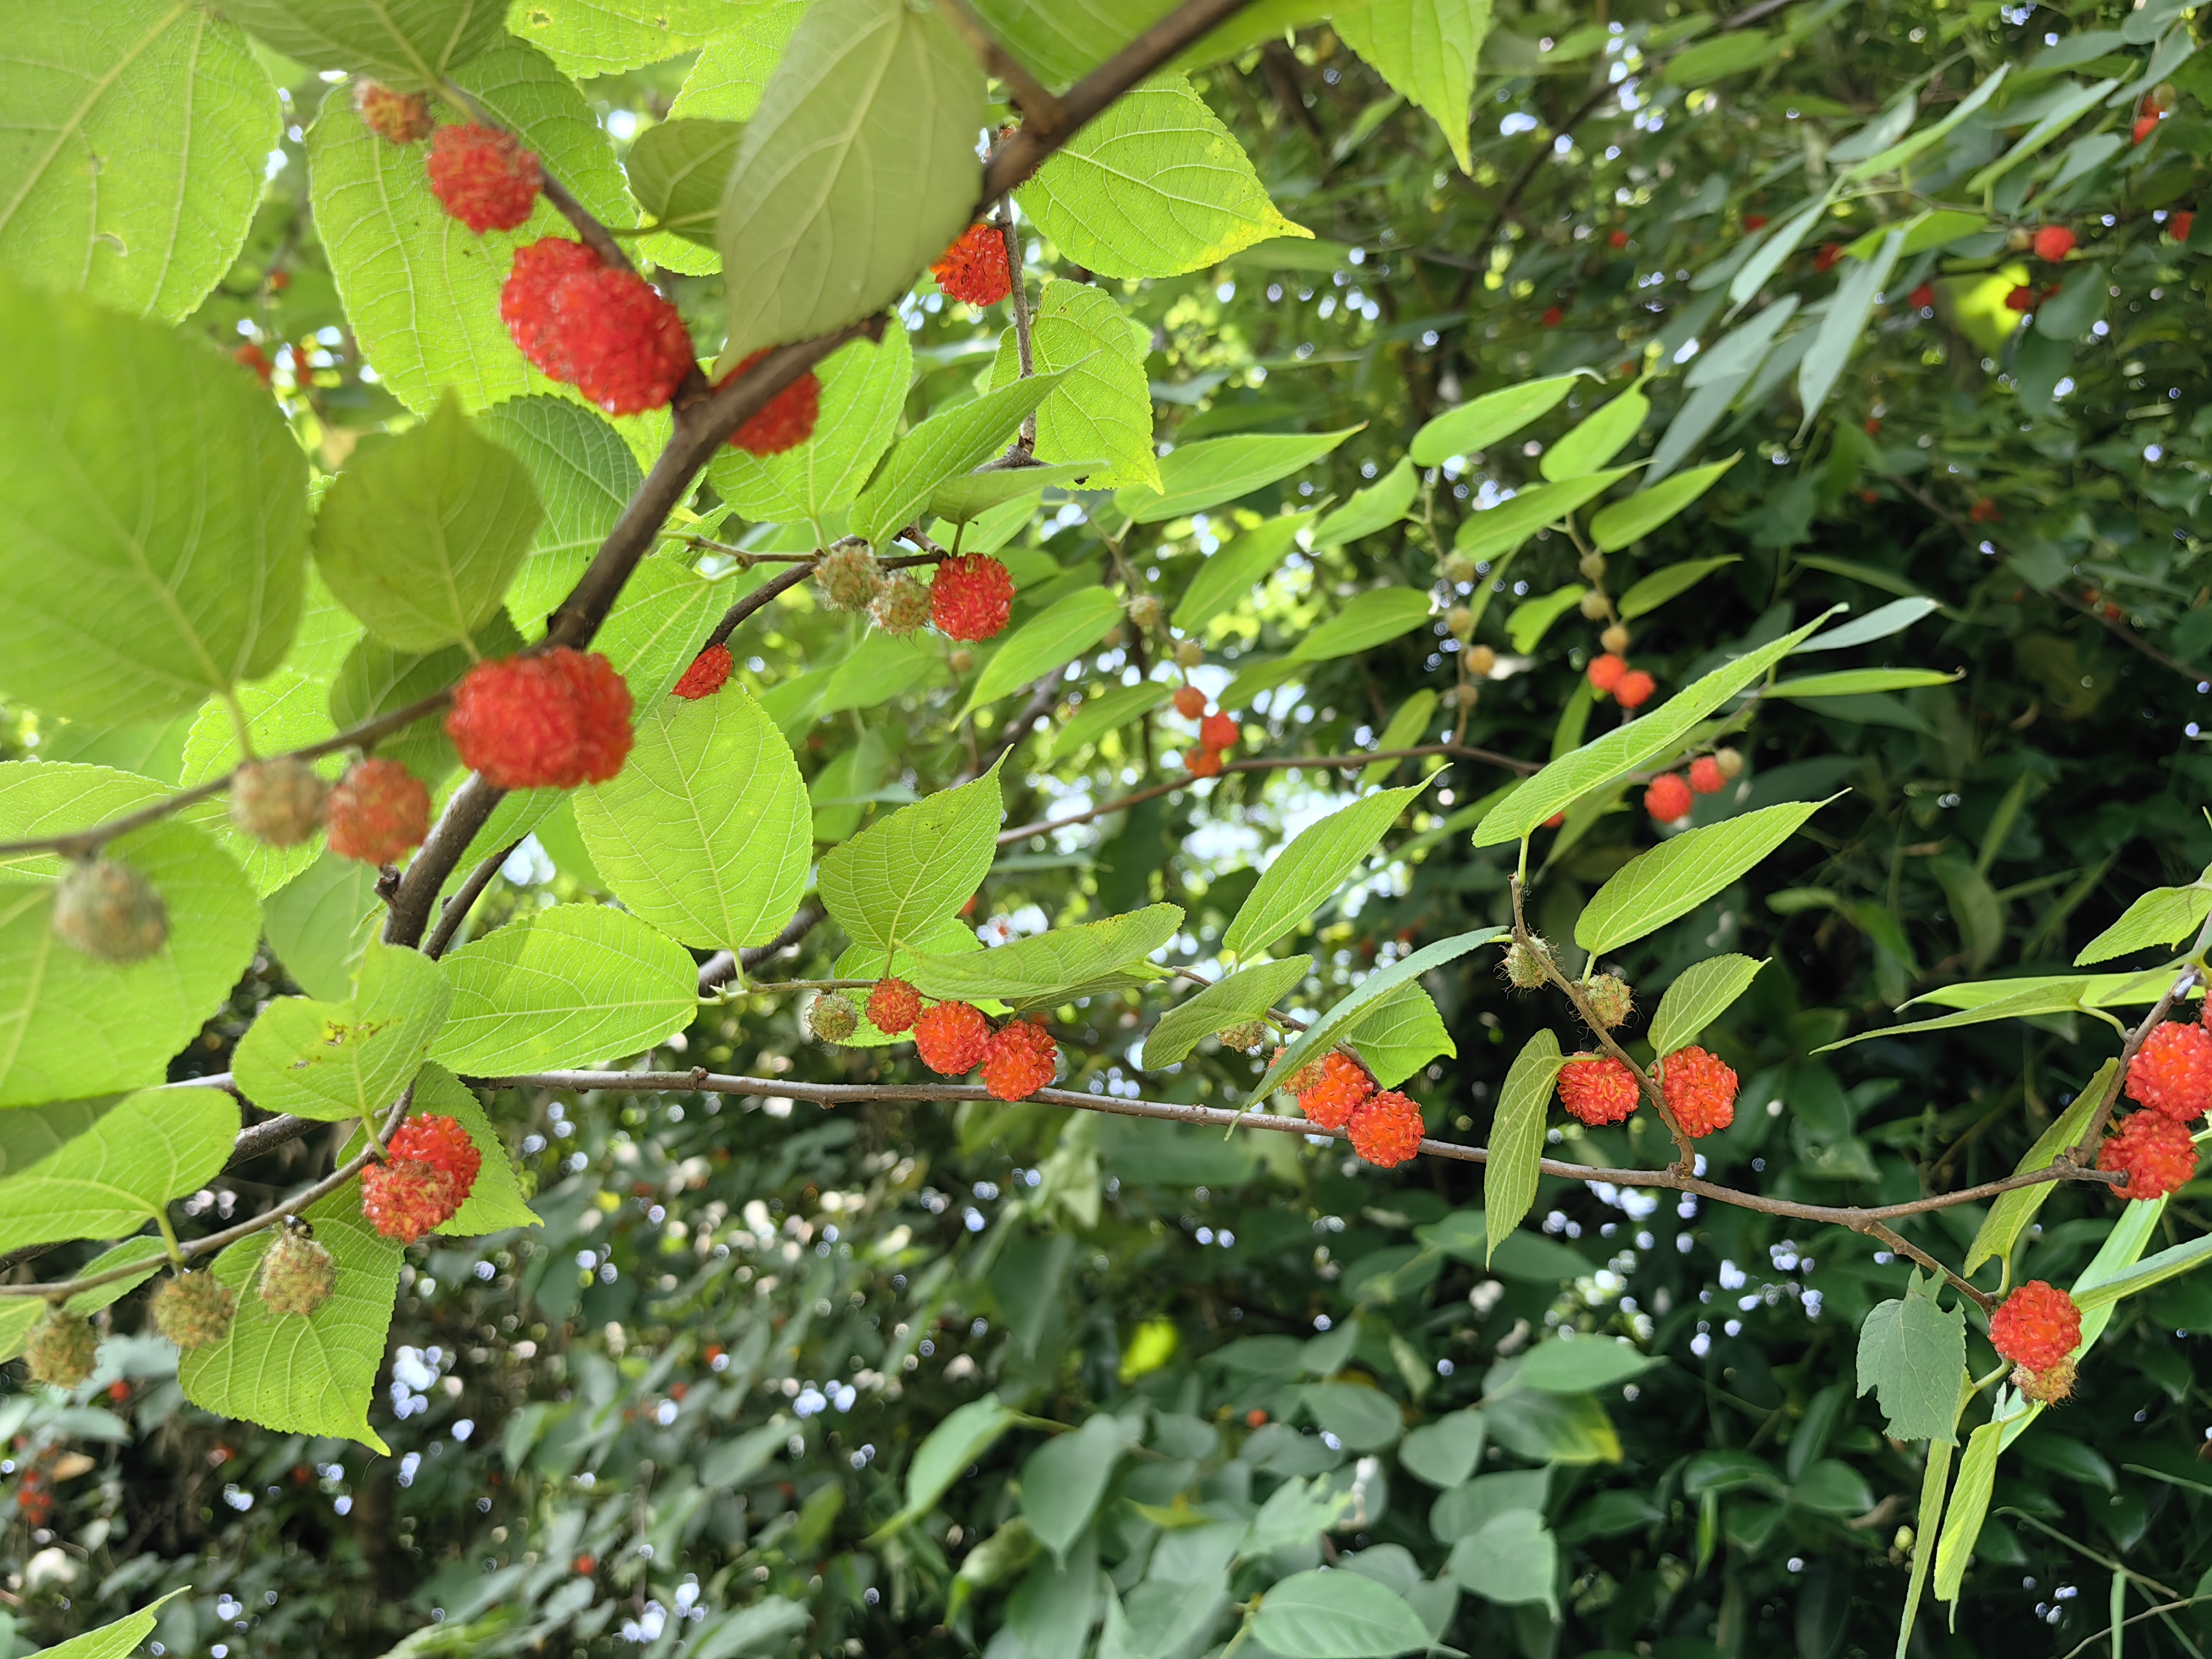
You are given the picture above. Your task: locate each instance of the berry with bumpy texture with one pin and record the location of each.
(2048, 1387)
(974, 267)
(1145, 611)
(1731, 761)
(1610, 998)
(279, 802)
(2172, 1072)
(1669, 798)
(1202, 762)
(297, 1275)
(1020, 1059)
(530, 298)
(2156, 1152)
(1329, 1102)
(2053, 242)
(1634, 689)
(708, 673)
(397, 118)
(1605, 673)
(1386, 1129)
(1705, 775)
(1615, 640)
(970, 598)
(1189, 653)
(848, 578)
(950, 1037)
(106, 909)
(433, 1167)
(785, 421)
(1459, 623)
(1219, 731)
(1245, 1037)
(1480, 659)
(378, 811)
(1189, 701)
(1597, 1089)
(893, 1006)
(607, 332)
(483, 177)
(193, 1310)
(832, 1018)
(552, 721)
(1308, 1076)
(1527, 966)
(1700, 1089)
(60, 1348)
(902, 605)
(2038, 1327)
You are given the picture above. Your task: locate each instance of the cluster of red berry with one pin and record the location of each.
(1699, 1087)
(2171, 1076)
(1611, 675)
(429, 1170)
(974, 268)
(1670, 797)
(1339, 1095)
(1217, 734)
(1019, 1058)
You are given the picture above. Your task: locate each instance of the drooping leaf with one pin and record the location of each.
(1426, 49)
(1968, 1507)
(1336, 1615)
(946, 443)
(1910, 1352)
(1704, 992)
(1232, 999)
(895, 878)
(332, 1060)
(1063, 1479)
(1666, 582)
(1214, 471)
(1368, 619)
(1228, 575)
(1516, 1137)
(103, 1169)
(1482, 422)
(2035, 997)
(1324, 1031)
(408, 44)
(1598, 437)
(1046, 968)
(1839, 329)
(1623, 522)
(864, 386)
(1313, 866)
(1381, 504)
(1677, 876)
(1103, 411)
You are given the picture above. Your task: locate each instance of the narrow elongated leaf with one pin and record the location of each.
(102, 1168)
(1214, 471)
(1857, 682)
(1934, 1485)
(1319, 1035)
(1668, 582)
(1503, 528)
(1109, 711)
(1840, 329)
(332, 1060)
(1230, 1000)
(1406, 730)
(1516, 1137)
(1910, 1352)
(857, 170)
(967, 496)
(2010, 1213)
(1878, 623)
(1103, 411)
(1780, 242)
(2146, 1274)
(1314, 866)
(1372, 618)
(1381, 504)
(1968, 1508)
(1336, 1615)
(1599, 437)
(1889, 160)
(1044, 969)
(1482, 422)
(2163, 916)
(114, 1641)
(952, 442)
(2040, 996)
(1701, 995)
(1677, 876)
(1232, 573)
(895, 878)
(864, 386)
(1624, 522)
(1043, 644)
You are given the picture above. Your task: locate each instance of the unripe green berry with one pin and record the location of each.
(1459, 622)
(1145, 611)
(1614, 639)
(1593, 567)
(1527, 966)
(1594, 605)
(279, 802)
(849, 577)
(106, 909)
(1458, 568)
(1480, 661)
(1246, 1034)
(1189, 653)
(193, 1310)
(1731, 761)
(833, 1018)
(961, 661)
(60, 1348)
(1609, 998)
(297, 1274)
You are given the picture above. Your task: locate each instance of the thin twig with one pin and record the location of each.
(1904, 1246)
(2085, 1151)
(456, 909)
(717, 968)
(1017, 292)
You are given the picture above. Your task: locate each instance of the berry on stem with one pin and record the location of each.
(893, 1006)
(785, 421)
(848, 577)
(1700, 1089)
(951, 1038)
(193, 1310)
(1605, 673)
(483, 177)
(297, 1274)
(433, 1165)
(607, 332)
(1219, 731)
(1189, 701)
(1634, 689)
(1527, 966)
(1669, 798)
(2038, 1327)
(1019, 1059)
(1201, 762)
(279, 802)
(2172, 1072)
(970, 598)
(902, 605)
(2053, 243)
(833, 1018)
(974, 267)
(1597, 1089)
(553, 721)
(1329, 1100)
(1386, 1129)
(107, 909)
(708, 673)
(1609, 998)
(1706, 777)
(2154, 1149)
(61, 1348)
(397, 118)
(377, 813)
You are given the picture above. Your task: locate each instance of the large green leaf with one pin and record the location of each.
(964, 1434)
(147, 564)
(1598, 436)
(570, 986)
(2163, 916)
(1313, 866)
(1336, 1615)
(1400, 1034)
(1426, 49)
(863, 389)
(1510, 1558)
(1217, 471)
(1064, 41)
(1516, 1137)
(1910, 1352)
(1319, 1036)
(1103, 411)
(1230, 575)
(859, 168)
(136, 134)
(1503, 528)
(1230, 1000)
(1614, 527)
(588, 38)
(1380, 504)
(1043, 644)
(1704, 991)
(103, 1169)
(320, 922)
(1044, 969)
(950, 442)
(114, 1641)
(582, 471)
(706, 832)
(405, 43)
(677, 170)
(1372, 618)
(895, 878)
(338, 1059)
(1153, 186)
(1677, 876)
(731, 71)
(1494, 416)
(1063, 1480)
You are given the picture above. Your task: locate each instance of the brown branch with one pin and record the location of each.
(456, 909)
(1039, 108)
(718, 968)
(1903, 1246)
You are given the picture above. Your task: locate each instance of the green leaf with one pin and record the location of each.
(589, 37)
(1614, 527)
(1528, 623)
(1045, 968)
(1381, 504)
(1109, 711)
(1230, 1000)
(677, 170)
(2163, 916)
(102, 1168)
(1704, 992)
(869, 120)
(410, 44)
(115, 1641)
(569, 986)
(1903, 150)
(864, 388)
(61, 1036)
(1581, 1366)
(1372, 618)
(946, 443)
(1910, 1352)
(1314, 866)
(1063, 1481)
(1400, 1034)
(1425, 49)
(1968, 1508)
(583, 473)
(2010, 1213)
(1152, 186)
(376, 678)
(706, 832)
(1503, 528)
(1444, 1453)
(1213, 471)
(1103, 411)
(420, 536)
(1935, 1482)
(1044, 644)
(330, 1060)
(1230, 573)
(1878, 623)
(1510, 1559)
(967, 496)
(1857, 682)
(1777, 243)
(146, 565)
(895, 878)
(138, 134)
(1335, 1615)
(310, 1374)
(1496, 415)
(496, 1201)
(1626, 747)
(2145, 1274)
(1674, 877)
(2041, 996)
(320, 922)
(965, 1434)
(1516, 1137)
(1361, 1416)
(1665, 583)
(1406, 730)
(1319, 1035)
(1599, 436)
(1840, 330)
(730, 74)
(1723, 55)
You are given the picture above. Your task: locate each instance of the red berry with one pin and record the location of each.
(974, 268)
(1189, 701)
(1018, 1060)
(609, 333)
(1754, 222)
(708, 673)
(1829, 255)
(2178, 225)
(951, 1038)
(255, 359)
(1343, 1085)
(484, 178)
(1921, 298)
(970, 598)
(2154, 1149)
(1700, 1089)
(2172, 1072)
(1985, 511)
(2053, 243)
(1202, 762)
(1598, 1088)
(1669, 798)
(1706, 777)
(378, 810)
(587, 1565)
(1219, 731)
(1552, 317)
(552, 721)
(1606, 671)
(2038, 1325)
(893, 1006)
(785, 421)
(2145, 126)
(432, 1166)
(1618, 238)
(1386, 1129)
(397, 118)
(1634, 689)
